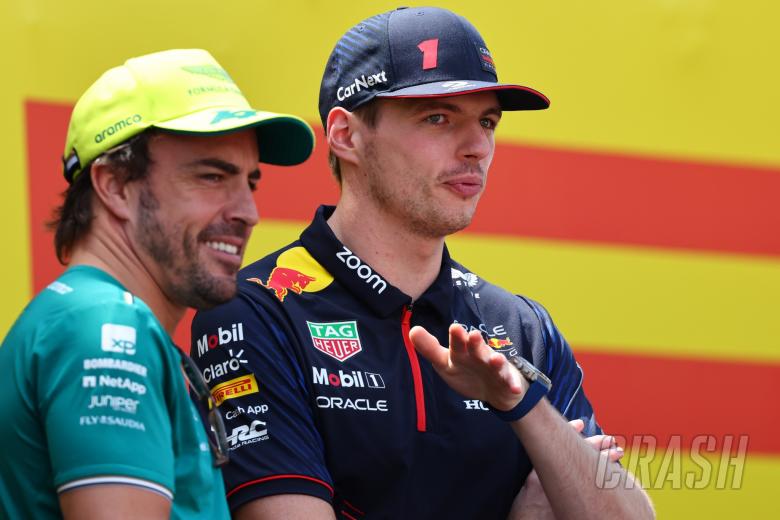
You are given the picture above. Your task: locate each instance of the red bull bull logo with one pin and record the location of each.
(498, 343)
(284, 279)
(296, 271)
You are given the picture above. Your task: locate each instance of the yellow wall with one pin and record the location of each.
(683, 79)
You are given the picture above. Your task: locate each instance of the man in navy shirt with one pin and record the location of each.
(328, 406)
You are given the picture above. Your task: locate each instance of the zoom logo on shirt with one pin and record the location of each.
(363, 271)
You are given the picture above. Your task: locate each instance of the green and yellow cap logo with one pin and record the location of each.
(184, 91)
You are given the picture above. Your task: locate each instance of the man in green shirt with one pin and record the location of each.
(162, 159)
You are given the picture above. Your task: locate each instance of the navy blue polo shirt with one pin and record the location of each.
(323, 394)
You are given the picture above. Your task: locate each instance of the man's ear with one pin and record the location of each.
(343, 131)
(112, 191)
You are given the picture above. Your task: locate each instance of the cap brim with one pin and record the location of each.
(282, 139)
(510, 97)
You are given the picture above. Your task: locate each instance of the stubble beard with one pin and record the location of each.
(412, 206)
(187, 282)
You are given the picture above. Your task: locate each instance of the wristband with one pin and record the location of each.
(535, 392)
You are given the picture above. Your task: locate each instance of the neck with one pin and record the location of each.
(107, 247)
(406, 260)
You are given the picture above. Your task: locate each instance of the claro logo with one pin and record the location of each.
(363, 271)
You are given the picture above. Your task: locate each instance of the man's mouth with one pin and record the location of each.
(465, 185)
(223, 246)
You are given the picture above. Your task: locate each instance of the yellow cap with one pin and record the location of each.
(182, 91)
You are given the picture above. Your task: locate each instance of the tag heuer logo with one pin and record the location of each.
(338, 339)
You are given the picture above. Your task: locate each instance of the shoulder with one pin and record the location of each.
(91, 314)
(519, 315)
(492, 298)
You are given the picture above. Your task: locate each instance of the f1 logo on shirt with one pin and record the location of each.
(118, 338)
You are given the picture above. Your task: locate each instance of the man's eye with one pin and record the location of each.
(211, 177)
(436, 119)
(489, 123)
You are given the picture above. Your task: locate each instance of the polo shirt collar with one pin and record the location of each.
(362, 280)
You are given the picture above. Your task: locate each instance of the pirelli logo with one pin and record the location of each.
(237, 387)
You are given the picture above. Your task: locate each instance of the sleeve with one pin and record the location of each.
(567, 394)
(100, 378)
(249, 362)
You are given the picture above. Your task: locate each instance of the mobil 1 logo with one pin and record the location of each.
(344, 379)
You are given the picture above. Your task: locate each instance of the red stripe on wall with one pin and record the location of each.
(532, 191)
(633, 200)
(589, 196)
(663, 396)
(47, 126)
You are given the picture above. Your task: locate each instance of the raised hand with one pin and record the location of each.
(472, 368)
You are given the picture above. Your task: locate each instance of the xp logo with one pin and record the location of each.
(216, 370)
(257, 431)
(355, 378)
(119, 339)
(296, 271)
(338, 339)
(235, 114)
(363, 271)
(223, 336)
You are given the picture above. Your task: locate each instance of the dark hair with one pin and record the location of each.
(72, 220)
(369, 114)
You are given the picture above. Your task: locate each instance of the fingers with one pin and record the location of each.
(459, 341)
(606, 444)
(615, 454)
(428, 346)
(578, 425)
(601, 442)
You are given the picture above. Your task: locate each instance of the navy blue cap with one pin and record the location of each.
(415, 52)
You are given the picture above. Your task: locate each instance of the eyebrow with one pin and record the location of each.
(227, 167)
(219, 164)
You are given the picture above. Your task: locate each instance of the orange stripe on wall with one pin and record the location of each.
(663, 397)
